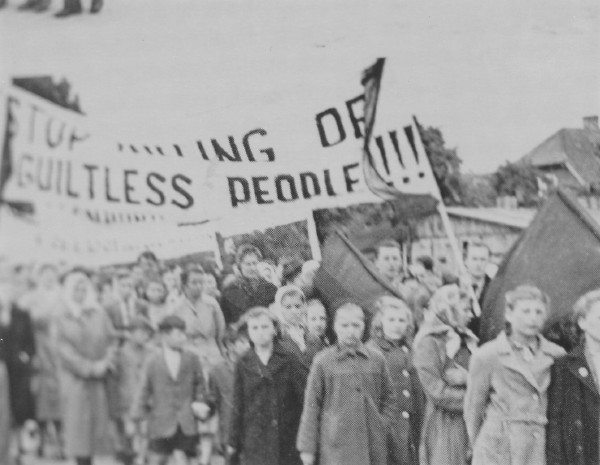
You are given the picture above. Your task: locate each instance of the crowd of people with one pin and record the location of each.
(70, 7)
(146, 362)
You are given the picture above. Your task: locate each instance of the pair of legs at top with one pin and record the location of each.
(73, 7)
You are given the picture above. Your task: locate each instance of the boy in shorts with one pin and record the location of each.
(172, 396)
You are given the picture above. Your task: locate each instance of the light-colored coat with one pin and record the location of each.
(505, 405)
(444, 436)
(82, 343)
(348, 406)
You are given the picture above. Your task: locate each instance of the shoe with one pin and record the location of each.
(28, 5)
(96, 6)
(42, 6)
(71, 7)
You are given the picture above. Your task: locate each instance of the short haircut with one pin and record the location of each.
(585, 303)
(149, 255)
(475, 245)
(387, 244)
(349, 306)
(525, 292)
(171, 322)
(384, 302)
(185, 274)
(246, 249)
(426, 261)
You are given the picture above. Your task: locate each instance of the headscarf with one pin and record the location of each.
(90, 302)
(441, 318)
(286, 318)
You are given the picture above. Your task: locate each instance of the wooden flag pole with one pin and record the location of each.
(313, 239)
(443, 212)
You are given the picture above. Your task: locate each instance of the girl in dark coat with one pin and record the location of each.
(391, 334)
(573, 433)
(267, 398)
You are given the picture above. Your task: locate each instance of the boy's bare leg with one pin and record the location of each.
(157, 459)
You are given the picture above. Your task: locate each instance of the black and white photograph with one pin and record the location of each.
(299, 232)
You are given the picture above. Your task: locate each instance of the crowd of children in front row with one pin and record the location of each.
(285, 394)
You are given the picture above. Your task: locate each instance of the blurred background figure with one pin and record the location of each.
(46, 307)
(88, 353)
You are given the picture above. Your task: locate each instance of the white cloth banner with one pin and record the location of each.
(288, 155)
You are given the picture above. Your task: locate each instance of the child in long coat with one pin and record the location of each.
(442, 350)
(391, 334)
(349, 401)
(573, 431)
(267, 397)
(505, 404)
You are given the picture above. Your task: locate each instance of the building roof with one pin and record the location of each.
(577, 148)
(516, 218)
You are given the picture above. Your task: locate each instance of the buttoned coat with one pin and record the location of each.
(82, 343)
(405, 429)
(348, 407)
(267, 403)
(243, 294)
(573, 412)
(505, 405)
(166, 402)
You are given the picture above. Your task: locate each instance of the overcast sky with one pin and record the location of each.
(497, 77)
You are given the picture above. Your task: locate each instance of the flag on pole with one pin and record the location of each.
(559, 253)
(346, 276)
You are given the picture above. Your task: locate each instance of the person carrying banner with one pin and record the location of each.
(388, 262)
(476, 260)
(505, 404)
(573, 431)
(248, 289)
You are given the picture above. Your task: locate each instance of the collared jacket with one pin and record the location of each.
(405, 429)
(267, 403)
(505, 405)
(348, 407)
(573, 412)
(166, 402)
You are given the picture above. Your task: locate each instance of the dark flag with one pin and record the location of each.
(346, 276)
(559, 253)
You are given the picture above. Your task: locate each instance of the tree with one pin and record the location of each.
(519, 180)
(445, 164)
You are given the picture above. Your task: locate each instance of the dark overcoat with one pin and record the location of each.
(18, 346)
(242, 294)
(572, 434)
(405, 428)
(348, 408)
(267, 404)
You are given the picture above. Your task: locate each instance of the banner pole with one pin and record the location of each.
(446, 223)
(315, 247)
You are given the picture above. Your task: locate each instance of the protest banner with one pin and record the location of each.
(64, 164)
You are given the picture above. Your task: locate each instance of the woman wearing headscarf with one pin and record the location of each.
(87, 353)
(45, 308)
(442, 349)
